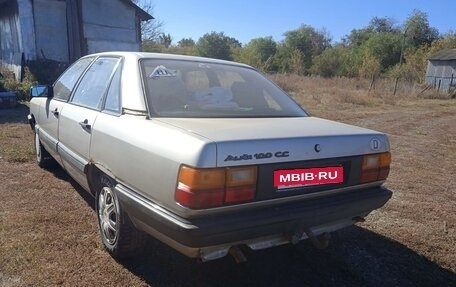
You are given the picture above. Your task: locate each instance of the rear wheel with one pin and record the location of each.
(120, 238)
(43, 158)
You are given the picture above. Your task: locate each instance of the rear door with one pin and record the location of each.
(52, 107)
(78, 117)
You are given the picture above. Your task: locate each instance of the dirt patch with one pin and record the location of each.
(48, 233)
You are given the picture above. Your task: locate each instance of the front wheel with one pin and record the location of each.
(120, 238)
(43, 158)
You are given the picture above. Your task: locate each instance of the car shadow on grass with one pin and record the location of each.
(14, 115)
(61, 174)
(355, 257)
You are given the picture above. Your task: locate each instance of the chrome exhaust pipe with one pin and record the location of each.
(237, 254)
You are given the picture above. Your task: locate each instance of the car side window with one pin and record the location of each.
(65, 84)
(112, 102)
(90, 91)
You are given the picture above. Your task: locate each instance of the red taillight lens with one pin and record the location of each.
(206, 188)
(197, 199)
(240, 194)
(375, 167)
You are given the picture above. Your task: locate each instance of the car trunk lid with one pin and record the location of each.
(259, 141)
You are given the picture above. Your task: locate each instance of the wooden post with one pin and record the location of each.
(372, 85)
(451, 83)
(400, 58)
(438, 88)
(395, 86)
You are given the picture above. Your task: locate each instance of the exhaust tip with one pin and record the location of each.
(237, 254)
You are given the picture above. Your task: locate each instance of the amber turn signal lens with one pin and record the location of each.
(208, 178)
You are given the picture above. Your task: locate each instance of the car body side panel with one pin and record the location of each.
(74, 140)
(146, 154)
(47, 114)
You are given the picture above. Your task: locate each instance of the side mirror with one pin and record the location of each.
(42, 91)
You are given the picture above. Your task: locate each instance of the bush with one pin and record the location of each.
(34, 73)
(22, 89)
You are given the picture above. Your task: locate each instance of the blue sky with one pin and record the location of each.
(245, 20)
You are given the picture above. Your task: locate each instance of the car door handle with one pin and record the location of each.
(55, 112)
(85, 125)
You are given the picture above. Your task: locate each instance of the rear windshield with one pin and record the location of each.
(191, 89)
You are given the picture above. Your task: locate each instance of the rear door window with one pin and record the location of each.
(112, 102)
(94, 83)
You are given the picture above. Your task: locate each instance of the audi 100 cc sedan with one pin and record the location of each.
(204, 155)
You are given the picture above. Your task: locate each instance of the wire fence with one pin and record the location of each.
(444, 84)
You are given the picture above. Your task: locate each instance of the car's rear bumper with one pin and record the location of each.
(261, 225)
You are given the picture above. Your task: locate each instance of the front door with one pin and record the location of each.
(53, 107)
(49, 123)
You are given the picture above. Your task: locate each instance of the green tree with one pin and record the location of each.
(165, 40)
(418, 31)
(297, 60)
(415, 64)
(281, 59)
(447, 41)
(370, 66)
(259, 53)
(186, 42)
(152, 46)
(383, 24)
(334, 61)
(385, 47)
(216, 45)
(357, 37)
(308, 41)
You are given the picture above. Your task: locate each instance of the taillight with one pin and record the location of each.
(240, 184)
(213, 187)
(375, 167)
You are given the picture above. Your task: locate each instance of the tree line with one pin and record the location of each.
(382, 48)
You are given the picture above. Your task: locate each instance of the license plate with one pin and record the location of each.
(291, 178)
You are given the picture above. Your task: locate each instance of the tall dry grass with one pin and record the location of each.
(323, 96)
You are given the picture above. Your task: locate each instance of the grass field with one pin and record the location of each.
(48, 232)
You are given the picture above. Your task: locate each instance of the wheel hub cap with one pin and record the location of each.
(107, 213)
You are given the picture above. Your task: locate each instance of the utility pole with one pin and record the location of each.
(400, 59)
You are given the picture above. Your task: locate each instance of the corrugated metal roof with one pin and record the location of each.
(143, 15)
(444, 55)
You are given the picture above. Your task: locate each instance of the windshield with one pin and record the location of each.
(182, 88)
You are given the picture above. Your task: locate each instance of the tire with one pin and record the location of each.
(42, 156)
(120, 238)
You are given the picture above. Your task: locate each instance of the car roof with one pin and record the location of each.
(146, 55)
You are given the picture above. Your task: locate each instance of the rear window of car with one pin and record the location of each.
(185, 88)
